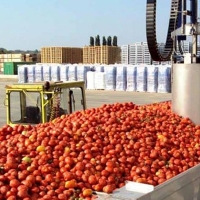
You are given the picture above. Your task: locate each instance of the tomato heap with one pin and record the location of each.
(97, 149)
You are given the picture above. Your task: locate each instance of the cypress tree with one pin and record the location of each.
(104, 43)
(109, 41)
(91, 41)
(114, 41)
(98, 41)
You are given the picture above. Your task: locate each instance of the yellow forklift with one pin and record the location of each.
(40, 102)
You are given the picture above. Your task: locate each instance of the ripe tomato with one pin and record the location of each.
(70, 184)
(87, 192)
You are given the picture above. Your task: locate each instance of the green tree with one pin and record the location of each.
(114, 43)
(104, 43)
(91, 41)
(98, 41)
(2, 50)
(109, 41)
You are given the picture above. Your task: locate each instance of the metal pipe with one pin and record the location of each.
(184, 7)
(193, 9)
(183, 15)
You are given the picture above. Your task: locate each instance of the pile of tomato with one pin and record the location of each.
(98, 149)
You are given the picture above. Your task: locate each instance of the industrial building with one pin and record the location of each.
(61, 55)
(101, 54)
(18, 58)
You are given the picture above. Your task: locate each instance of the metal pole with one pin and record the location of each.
(183, 16)
(194, 11)
(194, 48)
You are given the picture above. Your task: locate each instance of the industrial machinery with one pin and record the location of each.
(185, 86)
(183, 24)
(33, 103)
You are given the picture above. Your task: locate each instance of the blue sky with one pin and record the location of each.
(32, 24)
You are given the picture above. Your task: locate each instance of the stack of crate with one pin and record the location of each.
(101, 54)
(114, 54)
(105, 54)
(98, 54)
(61, 55)
(88, 54)
(77, 55)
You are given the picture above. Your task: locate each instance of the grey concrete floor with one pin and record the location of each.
(96, 98)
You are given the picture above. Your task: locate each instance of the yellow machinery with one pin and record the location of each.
(34, 103)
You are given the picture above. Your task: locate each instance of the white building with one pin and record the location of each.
(125, 54)
(138, 53)
(146, 55)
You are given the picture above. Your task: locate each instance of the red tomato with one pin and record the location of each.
(108, 188)
(92, 179)
(87, 192)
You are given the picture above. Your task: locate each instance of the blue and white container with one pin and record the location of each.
(39, 73)
(110, 77)
(72, 72)
(82, 72)
(31, 73)
(164, 78)
(46, 72)
(99, 68)
(64, 72)
(141, 78)
(22, 74)
(55, 72)
(131, 77)
(121, 78)
(152, 78)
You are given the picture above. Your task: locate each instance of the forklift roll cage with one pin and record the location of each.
(45, 104)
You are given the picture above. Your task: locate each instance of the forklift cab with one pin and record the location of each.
(34, 103)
